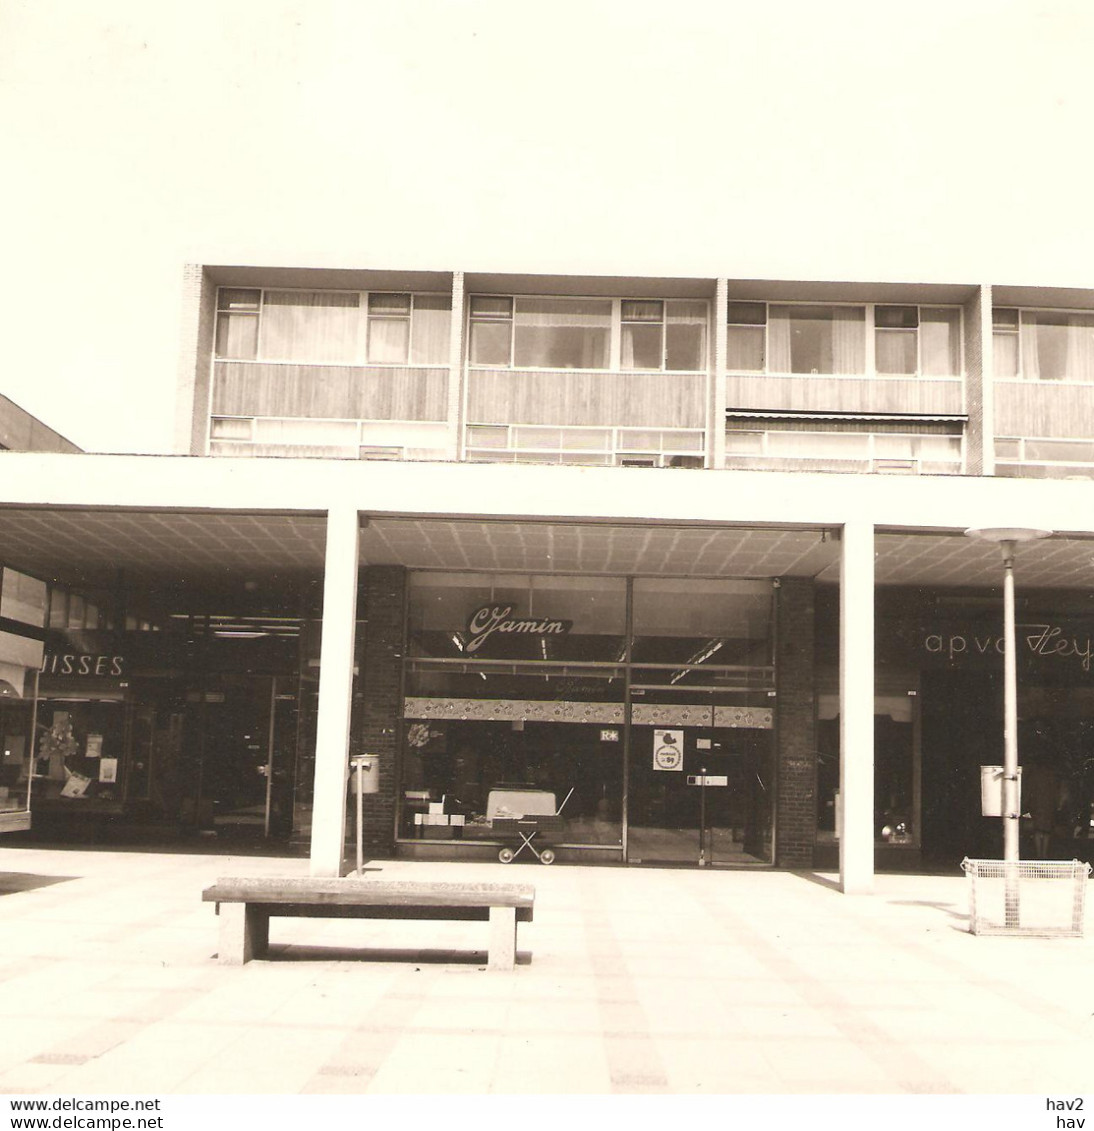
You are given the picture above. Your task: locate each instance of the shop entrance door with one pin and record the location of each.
(243, 734)
(700, 795)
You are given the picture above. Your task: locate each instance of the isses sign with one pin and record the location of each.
(82, 663)
(490, 619)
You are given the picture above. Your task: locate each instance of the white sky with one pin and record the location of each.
(945, 140)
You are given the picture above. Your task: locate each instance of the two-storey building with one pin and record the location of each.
(718, 602)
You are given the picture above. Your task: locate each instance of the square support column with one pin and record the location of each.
(856, 691)
(336, 655)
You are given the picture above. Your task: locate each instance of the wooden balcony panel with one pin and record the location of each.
(1038, 408)
(576, 397)
(335, 392)
(821, 393)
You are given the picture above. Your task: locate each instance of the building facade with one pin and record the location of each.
(22, 605)
(717, 606)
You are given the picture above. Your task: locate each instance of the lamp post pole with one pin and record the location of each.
(1007, 538)
(1011, 803)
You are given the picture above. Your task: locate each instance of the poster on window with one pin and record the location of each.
(108, 770)
(668, 750)
(94, 748)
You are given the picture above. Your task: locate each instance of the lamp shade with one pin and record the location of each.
(1007, 533)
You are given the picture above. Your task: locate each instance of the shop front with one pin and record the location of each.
(154, 735)
(938, 719)
(634, 714)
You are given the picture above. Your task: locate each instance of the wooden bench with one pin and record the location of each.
(245, 907)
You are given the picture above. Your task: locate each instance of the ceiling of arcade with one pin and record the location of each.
(214, 551)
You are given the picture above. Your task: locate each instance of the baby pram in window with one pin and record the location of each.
(520, 814)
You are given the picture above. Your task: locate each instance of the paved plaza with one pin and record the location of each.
(628, 981)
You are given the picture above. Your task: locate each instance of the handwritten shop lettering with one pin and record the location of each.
(1037, 639)
(489, 619)
(82, 663)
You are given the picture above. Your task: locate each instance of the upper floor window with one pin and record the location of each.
(663, 335)
(1043, 345)
(347, 327)
(796, 339)
(538, 332)
(544, 333)
(828, 339)
(917, 339)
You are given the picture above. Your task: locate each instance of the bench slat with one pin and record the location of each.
(331, 892)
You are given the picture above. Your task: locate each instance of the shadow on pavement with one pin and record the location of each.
(294, 952)
(12, 882)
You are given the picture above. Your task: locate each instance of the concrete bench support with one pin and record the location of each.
(245, 907)
(502, 954)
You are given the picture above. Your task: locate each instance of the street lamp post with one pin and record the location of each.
(1007, 538)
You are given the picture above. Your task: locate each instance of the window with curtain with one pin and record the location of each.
(915, 339)
(686, 335)
(490, 336)
(827, 339)
(237, 322)
(562, 333)
(816, 339)
(1057, 346)
(1005, 342)
(388, 328)
(642, 327)
(311, 326)
(543, 332)
(338, 327)
(746, 335)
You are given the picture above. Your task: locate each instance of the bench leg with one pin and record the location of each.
(244, 933)
(502, 954)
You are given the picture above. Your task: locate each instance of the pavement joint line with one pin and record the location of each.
(902, 1065)
(633, 1059)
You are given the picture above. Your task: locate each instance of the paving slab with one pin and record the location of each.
(635, 981)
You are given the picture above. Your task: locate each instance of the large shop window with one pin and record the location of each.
(896, 765)
(513, 684)
(518, 683)
(333, 327)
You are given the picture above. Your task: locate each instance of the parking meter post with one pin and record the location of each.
(360, 763)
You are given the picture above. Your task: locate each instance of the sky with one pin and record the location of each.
(852, 140)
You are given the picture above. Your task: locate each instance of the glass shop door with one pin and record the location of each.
(241, 732)
(700, 791)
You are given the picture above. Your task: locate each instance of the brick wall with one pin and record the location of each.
(381, 613)
(795, 725)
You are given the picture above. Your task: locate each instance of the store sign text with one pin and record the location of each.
(82, 663)
(489, 619)
(1040, 639)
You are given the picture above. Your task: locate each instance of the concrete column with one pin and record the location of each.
(336, 656)
(456, 370)
(716, 421)
(856, 846)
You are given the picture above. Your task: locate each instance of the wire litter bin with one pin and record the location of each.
(1044, 898)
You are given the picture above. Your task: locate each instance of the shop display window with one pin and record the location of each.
(896, 768)
(16, 729)
(520, 685)
(79, 750)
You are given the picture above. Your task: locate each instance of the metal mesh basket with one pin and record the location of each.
(1028, 897)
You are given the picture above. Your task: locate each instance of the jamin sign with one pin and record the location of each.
(668, 750)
